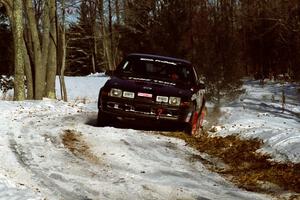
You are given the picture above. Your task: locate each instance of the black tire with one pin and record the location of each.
(103, 119)
(188, 128)
(203, 108)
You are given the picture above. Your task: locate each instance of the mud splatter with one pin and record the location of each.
(73, 141)
(245, 166)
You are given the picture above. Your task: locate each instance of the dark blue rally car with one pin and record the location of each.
(151, 87)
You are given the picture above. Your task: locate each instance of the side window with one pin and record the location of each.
(150, 67)
(133, 66)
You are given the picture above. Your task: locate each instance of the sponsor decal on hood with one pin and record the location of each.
(152, 80)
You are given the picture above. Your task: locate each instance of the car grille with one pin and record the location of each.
(146, 109)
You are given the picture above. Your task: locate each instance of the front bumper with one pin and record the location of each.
(143, 108)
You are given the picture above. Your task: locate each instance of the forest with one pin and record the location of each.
(224, 39)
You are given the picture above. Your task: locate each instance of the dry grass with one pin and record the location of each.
(246, 168)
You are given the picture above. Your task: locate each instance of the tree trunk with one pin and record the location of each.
(117, 6)
(40, 72)
(63, 67)
(63, 56)
(45, 34)
(52, 58)
(106, 37)
(28, 72)
(94, 34)
(26, 59)
(110, 37)
(19, 92)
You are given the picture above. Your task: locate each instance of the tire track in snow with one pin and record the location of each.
(72, 176)
(55, 180)
(43, 179)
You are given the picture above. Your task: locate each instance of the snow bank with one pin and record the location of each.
(259, 113)
(83, 88)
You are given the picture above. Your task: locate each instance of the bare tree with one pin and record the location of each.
(62, 34)
(18, 48)
(40, 70)
(106, 33)
(52, 58)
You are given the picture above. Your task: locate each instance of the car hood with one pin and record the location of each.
(153, 86)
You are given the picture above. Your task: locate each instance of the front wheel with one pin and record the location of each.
(103, 119)
(195, 126)
(192, 127)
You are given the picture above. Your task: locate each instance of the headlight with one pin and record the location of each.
(127, 94)
(115, 92)
(162, 99)
(174, 101)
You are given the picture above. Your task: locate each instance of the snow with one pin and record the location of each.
(125, 163)
(258, 113)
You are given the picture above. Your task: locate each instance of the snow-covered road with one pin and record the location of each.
(49, 151)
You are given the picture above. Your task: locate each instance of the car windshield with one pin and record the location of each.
(158, 69)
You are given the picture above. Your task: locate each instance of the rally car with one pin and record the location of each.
(148, 87)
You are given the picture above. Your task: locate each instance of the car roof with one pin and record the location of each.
(159, 57)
